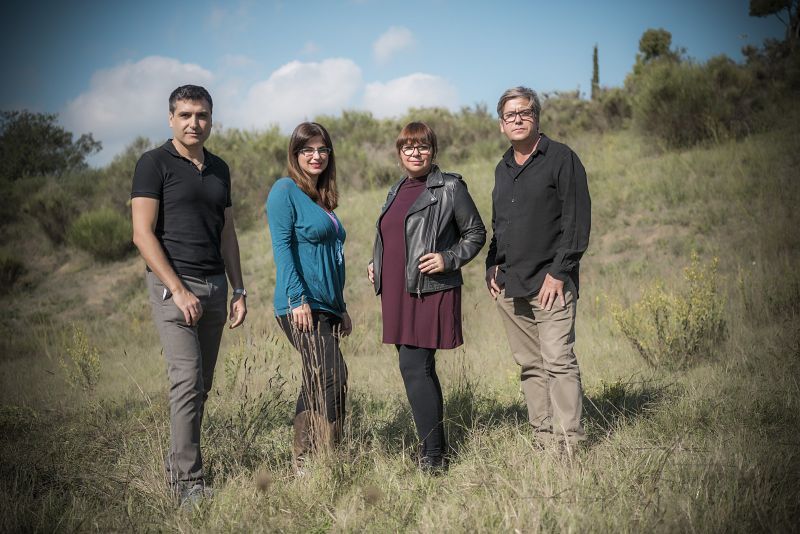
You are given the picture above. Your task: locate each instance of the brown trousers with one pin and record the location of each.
(542, 344)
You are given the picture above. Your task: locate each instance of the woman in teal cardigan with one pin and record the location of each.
(307, 245)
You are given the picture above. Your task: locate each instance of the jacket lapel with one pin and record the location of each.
(427, 197)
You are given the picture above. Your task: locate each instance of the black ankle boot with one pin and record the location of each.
(433, 464)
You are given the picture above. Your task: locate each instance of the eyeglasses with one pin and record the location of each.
(308, 152)
(524, 114)
(408, 150)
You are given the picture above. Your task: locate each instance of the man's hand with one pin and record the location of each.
(188, 304)
(238, 310)
(552, 288)
(431, 263)
(371, 272)
(302, 319)
(347, 324)
(491, 281)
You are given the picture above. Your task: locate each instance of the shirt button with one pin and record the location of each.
(513, 200)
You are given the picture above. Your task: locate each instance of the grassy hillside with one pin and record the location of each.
(707, 447)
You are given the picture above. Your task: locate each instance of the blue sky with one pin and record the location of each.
(108, 67)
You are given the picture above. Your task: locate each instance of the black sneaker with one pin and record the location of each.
(192, 494)
(434, 465)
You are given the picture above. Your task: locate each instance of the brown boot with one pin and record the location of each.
(323, 433)
(302, 440)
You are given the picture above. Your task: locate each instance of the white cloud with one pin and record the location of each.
(394, 40)
(416, 90)
(129, 100)
(298, 91)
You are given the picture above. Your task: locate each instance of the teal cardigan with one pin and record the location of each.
(308, 250)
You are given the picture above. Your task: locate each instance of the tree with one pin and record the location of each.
(33, 144)
(765, 8)
(595, 75)
(655, 44)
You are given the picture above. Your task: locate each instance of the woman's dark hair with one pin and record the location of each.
(416, 133)
(323, 192)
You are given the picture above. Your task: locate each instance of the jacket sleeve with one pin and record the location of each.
(491, 254)
(281, 217)
(470, 226)
(576, 216)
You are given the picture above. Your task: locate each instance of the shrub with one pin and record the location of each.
(674, 330)
(10, 270)
(684, 103)
(615, 107)
(103, 233)
(565, 113)
(53, 209)
(82, 363)
(256, 159)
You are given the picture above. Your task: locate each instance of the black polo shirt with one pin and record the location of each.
(191, 208)
(541, 216)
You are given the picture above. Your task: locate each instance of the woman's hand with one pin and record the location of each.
(432, 262)
(347, 324)
(371, 273)
(301, 318)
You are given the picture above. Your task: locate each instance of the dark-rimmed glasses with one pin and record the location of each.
(308, 151)
(524, 114)
(408, 150)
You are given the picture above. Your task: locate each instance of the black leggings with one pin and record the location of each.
(324, 372)
(418, 367)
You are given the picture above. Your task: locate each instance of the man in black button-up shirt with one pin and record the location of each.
(541, 216)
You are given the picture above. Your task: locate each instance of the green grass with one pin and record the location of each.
(712, 447)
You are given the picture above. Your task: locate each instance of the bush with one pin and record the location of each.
(103, 233)
(10, 270)
(615, 107)
(256, 159)
(684, 103)
(53, 208)
(675, 330)
(565, 113)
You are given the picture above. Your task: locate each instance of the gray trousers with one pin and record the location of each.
(191, 353)
(542, 344)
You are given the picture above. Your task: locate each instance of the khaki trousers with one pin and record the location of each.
(542, 344)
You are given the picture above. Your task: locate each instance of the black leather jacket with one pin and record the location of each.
(443, 219)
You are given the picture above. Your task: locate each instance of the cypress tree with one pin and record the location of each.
(595, 75)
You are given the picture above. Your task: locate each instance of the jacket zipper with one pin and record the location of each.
(429, 243)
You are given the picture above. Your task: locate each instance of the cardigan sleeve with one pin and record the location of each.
(281, 217)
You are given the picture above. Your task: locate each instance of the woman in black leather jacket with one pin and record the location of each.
(428, 229)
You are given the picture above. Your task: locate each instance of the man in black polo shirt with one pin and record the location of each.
(541, 215)
(183, 228)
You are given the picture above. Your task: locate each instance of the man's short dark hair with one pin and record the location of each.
(189, 92)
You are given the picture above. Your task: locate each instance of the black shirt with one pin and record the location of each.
(191, 208)
(541, 216)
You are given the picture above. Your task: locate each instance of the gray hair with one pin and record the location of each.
(521, 92)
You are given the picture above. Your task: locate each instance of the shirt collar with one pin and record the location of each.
(169, 147)
(542, 147)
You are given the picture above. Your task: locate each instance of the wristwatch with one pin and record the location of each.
(240, 291)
